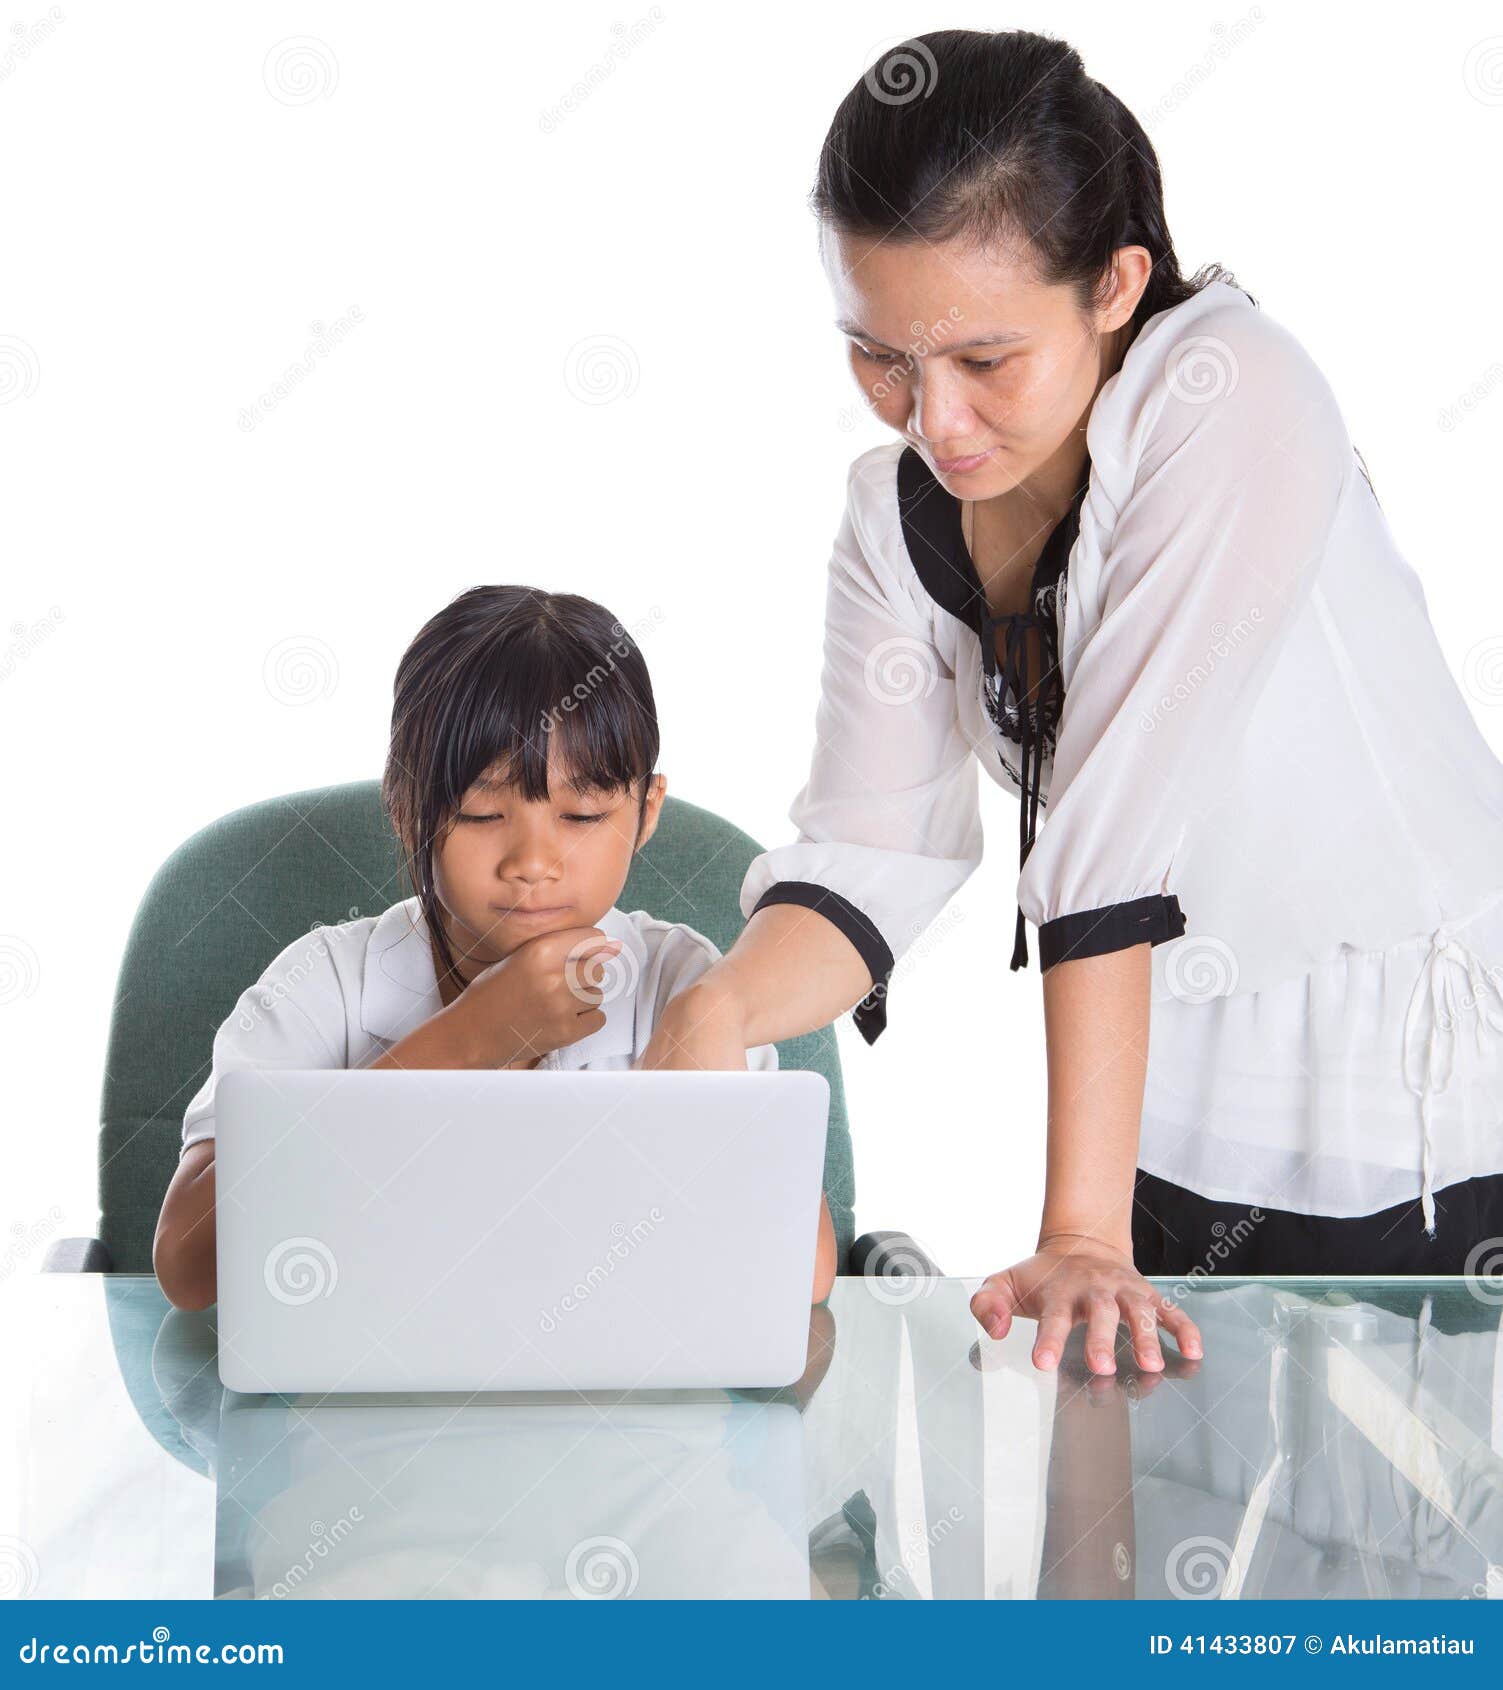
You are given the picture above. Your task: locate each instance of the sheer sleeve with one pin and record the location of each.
(1211, 559)
(888, 821)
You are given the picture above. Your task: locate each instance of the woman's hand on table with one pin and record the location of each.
(1072, 1278)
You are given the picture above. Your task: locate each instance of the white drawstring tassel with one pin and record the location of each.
(1432, 990)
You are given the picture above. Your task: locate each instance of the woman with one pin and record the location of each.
(1124, 554)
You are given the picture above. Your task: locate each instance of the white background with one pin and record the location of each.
(173, 229)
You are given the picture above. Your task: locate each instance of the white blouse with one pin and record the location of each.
(342, 995)
(1247, 750)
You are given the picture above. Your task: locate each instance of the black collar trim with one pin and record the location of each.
(930, 516)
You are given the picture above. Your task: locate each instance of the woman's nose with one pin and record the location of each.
(941, 413)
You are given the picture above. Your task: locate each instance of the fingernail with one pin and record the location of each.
(1045, 1358)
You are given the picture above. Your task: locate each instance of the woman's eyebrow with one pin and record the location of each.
(1003, 337)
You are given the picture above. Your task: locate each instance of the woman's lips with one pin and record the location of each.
(962, 466)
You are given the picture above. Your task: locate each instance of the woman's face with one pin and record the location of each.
(989, 375)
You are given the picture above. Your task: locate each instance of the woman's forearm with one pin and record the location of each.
(790, 971)
(1096, 1027)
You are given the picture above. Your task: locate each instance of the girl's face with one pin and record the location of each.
(507, 870)
(987, 374)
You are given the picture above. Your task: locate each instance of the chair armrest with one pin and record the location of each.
(77, 1255)
(889, 1255)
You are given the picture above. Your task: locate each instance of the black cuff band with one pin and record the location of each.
(870, 1015)
(1114, 927)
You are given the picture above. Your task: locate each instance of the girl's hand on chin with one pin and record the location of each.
(1072, 1278)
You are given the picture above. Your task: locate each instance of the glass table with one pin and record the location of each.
(1339, 1439)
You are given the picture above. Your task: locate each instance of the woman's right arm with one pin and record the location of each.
(888, 821)
(789, 972)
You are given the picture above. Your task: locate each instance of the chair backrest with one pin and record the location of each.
(239, 891)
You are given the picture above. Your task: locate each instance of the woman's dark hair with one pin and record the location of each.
(1002, 139)
(493, 681)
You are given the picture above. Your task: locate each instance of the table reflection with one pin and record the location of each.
(1337, 1440)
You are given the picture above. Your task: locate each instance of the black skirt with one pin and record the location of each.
(1177, 1233)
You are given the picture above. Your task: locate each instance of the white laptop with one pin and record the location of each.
(498, 1230)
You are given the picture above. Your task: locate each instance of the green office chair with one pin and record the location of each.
(236, 893)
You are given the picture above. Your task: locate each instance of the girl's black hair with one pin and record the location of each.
(495, 679)
(1003, 140)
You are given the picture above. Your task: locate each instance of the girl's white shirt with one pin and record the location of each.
(341, 996)
(1259, 721)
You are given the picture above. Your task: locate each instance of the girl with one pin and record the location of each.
(521, 783)
(1123, 555)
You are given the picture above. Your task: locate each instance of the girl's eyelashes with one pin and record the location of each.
(463, 816)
